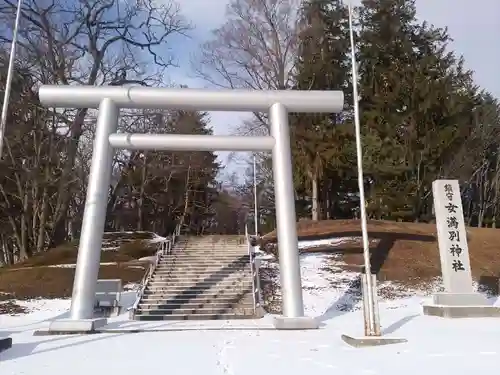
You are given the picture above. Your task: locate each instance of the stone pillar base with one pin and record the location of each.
(461, 305)
(298, 323)
(462, 311)
(459, 299)
(72, 327)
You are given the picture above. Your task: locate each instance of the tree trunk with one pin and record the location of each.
(140, 203)
(58, 234)
(315, 213)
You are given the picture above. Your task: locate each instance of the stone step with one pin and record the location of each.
(198, 278)
(200, 275)
(213, 295)
(194, 305)
(173, 296)
(205, 258)
(189, 274)
(206, 252)
(190, 259)
(197, 263)
(239, 298)
(192, 293)
(203, 311)
(210, 250)
(232, 244)
(204, 278)
(210, 278)
(219, 245)
(193, 270)
(187, 284)
(179, 288)
(213, 264)
(210, 258)
(203, 270)
(204, 255)
(198, 301)
(215, 247)
(203, 266)
(230, 316)
(196, 291)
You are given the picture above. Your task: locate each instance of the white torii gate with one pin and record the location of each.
(109, 100)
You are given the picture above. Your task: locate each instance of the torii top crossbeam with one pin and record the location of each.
(191, 99)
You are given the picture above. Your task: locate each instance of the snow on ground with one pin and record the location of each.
(247, 347)
(325, 241)
(73, 265)
(155, 239)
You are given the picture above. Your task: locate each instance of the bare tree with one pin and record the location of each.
(255, 48)
(93, 43)
(31, 166)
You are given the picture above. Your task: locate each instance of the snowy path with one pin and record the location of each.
(251, 347)
(461, 347)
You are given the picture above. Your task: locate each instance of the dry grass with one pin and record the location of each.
(34, 279)
(67, 254)
(403, 252)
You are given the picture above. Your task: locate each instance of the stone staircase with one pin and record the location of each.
(204, 278)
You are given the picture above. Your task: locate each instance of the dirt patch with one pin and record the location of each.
(67, 254)
(43, 282)
(34, 278)
(402, 252)
(12, 308)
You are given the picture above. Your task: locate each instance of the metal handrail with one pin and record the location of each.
(165, 249)
(255, 273)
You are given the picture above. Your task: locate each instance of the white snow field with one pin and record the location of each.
(435, 345)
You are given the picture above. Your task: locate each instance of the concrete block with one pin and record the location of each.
(484, 311)
(364, 341)
(70, 326)
(459, 299)
(296, 323)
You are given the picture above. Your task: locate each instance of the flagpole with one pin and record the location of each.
(371, 328)
(8, 83)
(6, 342)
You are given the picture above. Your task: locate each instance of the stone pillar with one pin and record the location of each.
(459, 298)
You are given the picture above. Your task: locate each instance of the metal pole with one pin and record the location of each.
(94, 216)
(291, 285)
(256, 208)
(10, 72)
(372, 329)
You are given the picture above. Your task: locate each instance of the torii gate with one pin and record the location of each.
(110, 99)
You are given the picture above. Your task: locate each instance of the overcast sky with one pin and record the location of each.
(474, 26)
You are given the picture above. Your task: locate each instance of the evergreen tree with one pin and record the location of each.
(163, 187)
(320, 140)
(416, 100)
